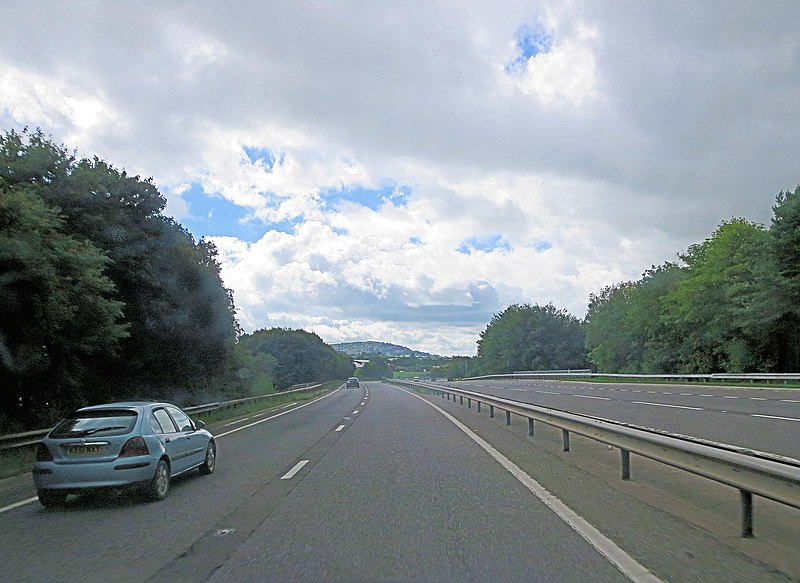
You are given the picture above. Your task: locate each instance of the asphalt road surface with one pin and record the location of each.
(369, 484)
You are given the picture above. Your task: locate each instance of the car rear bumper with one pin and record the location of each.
(114, 474)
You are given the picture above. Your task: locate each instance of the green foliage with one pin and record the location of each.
(525, 337)
(102, 296)
(299, 356)
(57, 310)
(376, 368)
(722, 311)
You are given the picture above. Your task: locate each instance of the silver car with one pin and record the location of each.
(121, 444)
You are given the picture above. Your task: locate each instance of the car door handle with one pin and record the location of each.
(166, 440)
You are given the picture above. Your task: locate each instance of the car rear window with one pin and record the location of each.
(96, 423)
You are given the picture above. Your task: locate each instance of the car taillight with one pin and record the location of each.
(43, 453)
(133, 447)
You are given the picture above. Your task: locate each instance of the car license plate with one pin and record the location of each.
(86, 449)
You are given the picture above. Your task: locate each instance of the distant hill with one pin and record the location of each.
(382, 348)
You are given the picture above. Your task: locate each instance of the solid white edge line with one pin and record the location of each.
(20, 503)
(291, 473)
(604, 545)
(34, 499)
(776, 417)
(265, 419)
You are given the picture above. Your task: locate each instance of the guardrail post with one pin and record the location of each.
(508, 417)
(479, 406)
(469, 403)
(491, 411)
(626, 464)
(462, 399)
(565, 437)
(747, 513)
(530, 426)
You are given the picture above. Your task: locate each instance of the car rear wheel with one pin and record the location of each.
(158, 487)
(210, 462)
(50, 498)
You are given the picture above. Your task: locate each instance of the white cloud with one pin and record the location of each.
(628, 133)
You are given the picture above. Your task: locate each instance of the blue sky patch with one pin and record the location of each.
(484, 244)
(531, 41)
(541, 246)
(213, 216)
(368, 197)
(266, 157)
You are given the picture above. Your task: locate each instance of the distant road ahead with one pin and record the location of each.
(762, 419)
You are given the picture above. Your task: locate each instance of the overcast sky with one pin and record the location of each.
(401, 171)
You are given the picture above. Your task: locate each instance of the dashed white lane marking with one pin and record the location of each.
(672, 406)
(340, 428)
(706, 395)
(729, 397)
(604, 545)
(235, 422)
(16, 504)
(592, 397)
(548, 393)
(789, 401)
(523, 390)
(291, 473)
(776, 417)
(757, 398)
(354, 412)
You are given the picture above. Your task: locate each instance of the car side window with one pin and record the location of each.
(165, 421)
(155, 424)
(181, 419)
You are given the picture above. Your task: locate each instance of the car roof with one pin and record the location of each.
(123, 405)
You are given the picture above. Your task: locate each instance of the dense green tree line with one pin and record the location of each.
(732, 304)
(298, 356)
(729, 304)
(531, 337)
(101, 296)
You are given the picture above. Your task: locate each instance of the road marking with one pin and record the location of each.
(16, 504)
(523, 390)
(34, 499)
(758, 399)
(235, 422)
(547, 392)
(686, 394)
(729, 397)
(291, 473)
(591, 397)
(706, 395)
(340, 427)
(265, 419)
(354, 412)
(604, 545)
(789, 401)
(672, 406)
(776, 417)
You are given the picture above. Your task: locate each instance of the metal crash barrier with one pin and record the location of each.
(752, 472)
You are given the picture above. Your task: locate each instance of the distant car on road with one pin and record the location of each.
(121, 444)
(353, 383)
(416, 379)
